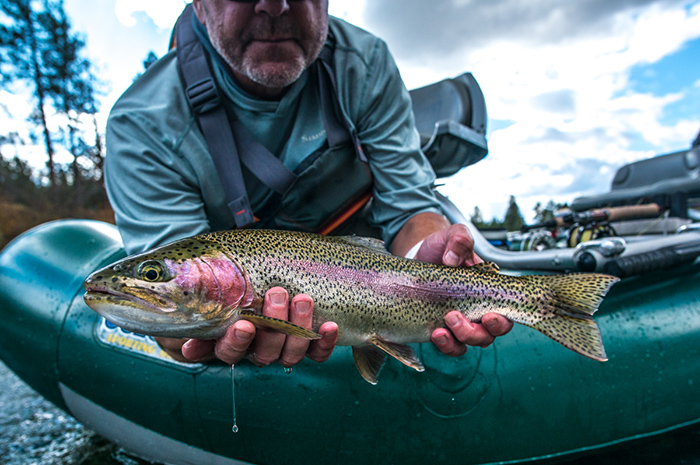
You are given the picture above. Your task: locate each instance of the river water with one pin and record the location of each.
(34, 431)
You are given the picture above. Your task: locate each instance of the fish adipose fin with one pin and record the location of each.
(487, 267)
(576, 298)
(369, 243)
(369, 360)
(280, 326)
(401, 352)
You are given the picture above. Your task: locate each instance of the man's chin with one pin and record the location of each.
(274, 74)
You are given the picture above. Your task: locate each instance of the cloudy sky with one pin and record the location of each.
(574, 89)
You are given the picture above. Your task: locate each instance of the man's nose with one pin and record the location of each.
(272, 7)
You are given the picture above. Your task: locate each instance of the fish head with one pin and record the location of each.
(189, 288)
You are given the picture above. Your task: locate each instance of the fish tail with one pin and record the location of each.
(574, 299)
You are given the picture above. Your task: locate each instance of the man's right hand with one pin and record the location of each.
(263, 347)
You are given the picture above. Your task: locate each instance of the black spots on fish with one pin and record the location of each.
(114, 279)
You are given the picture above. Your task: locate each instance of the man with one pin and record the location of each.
(163, 185)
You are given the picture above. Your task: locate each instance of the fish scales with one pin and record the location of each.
(378, 292)
(379, 301)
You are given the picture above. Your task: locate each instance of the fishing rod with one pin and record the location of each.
(611, 255)
(570, 218)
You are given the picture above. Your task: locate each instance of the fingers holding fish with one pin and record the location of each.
(496, 325)
(267, 346)
(176, 349)
(463, 332)
(300, 313)
(233, 346)
(452, 246)
(447, 344)
(321, 349)
(196, 350)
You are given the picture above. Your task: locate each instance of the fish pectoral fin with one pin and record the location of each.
(401, 352)
(275, 324)
(369, 361)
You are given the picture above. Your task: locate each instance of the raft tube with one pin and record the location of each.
(523, 398)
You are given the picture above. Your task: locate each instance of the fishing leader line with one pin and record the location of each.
(234, 428)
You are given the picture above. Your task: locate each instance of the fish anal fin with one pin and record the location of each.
(277, 325)
(401, 352)
(486, 267)
(369, 361)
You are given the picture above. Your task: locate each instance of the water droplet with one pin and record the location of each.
(234, 428)
(288, 370)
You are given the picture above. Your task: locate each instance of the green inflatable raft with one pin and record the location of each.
(521, 399)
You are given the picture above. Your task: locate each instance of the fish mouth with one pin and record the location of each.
(128, 296)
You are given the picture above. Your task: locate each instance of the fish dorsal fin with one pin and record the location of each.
(401, 352)
(370, 243)
(369, 361)
(487, 267)
(274, 324)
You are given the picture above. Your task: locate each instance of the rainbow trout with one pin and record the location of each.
(197, 287)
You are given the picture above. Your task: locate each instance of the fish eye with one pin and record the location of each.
(151, 271)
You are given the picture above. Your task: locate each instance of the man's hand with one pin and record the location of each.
(264, 347)
(454, 246)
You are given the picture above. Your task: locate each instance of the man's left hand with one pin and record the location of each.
(454, 246)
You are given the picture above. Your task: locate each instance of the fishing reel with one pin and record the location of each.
(537, 241)
(579, 233)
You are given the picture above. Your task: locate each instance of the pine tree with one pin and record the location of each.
(39, 51)
(513, 220)
(72, 91)
(477, 218)
(21, 43)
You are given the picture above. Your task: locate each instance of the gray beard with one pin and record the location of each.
(280, 77)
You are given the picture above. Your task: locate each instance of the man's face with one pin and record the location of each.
(267, 43)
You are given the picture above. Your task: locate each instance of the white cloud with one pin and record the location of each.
(349, 10)
(164, 13)
(560, 72)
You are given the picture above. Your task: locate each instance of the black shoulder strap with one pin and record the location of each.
(337, 133)
(206, 104)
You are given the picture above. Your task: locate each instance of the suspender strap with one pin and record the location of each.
(205, 102)
(261, 162)
(336, 133)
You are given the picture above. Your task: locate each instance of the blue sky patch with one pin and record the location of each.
(678, 72)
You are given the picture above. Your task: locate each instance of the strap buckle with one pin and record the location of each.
(203, 95)
(241, 211)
